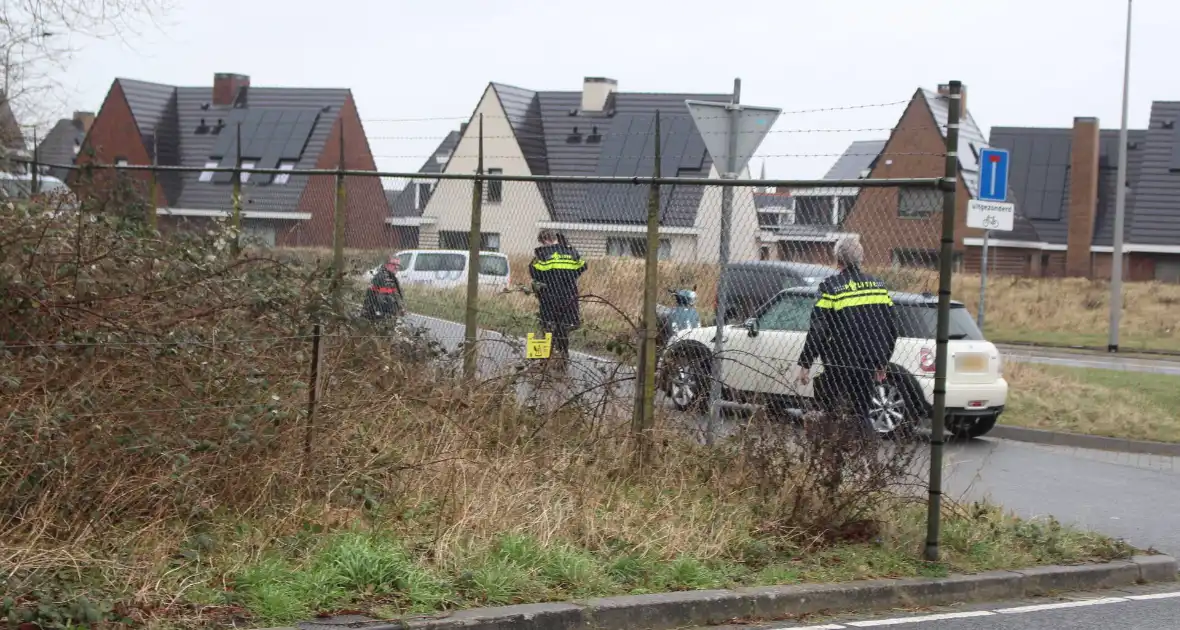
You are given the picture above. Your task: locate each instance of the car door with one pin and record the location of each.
(782, 331)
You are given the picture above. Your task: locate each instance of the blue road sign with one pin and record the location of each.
(993, 175)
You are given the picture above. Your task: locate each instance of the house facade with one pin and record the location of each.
(279, 127)
(63, 143)
(1064, 182)
(596, 131)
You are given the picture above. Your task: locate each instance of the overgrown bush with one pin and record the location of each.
(159, 457)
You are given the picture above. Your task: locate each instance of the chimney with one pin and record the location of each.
(944, 89)
(595, 92)
(226, 87)
(83, 120)
(1083, 195)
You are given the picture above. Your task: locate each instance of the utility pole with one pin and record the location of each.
(1120, 205)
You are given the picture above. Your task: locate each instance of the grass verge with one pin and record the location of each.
(1111, 403)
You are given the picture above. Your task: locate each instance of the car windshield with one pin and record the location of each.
(921, 322)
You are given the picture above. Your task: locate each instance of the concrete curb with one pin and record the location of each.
(1078, 440)
(665, 611)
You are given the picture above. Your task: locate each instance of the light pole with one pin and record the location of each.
(1120, 206)
(8, 55)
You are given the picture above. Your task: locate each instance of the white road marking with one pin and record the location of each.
(1140, 598)
(919, 619)
(830, 626)
(1079, 603)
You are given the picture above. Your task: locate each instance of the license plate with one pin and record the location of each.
(971, 363)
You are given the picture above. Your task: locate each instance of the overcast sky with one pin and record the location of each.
(1024, 62)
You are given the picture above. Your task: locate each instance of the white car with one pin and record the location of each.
(447, 268)
(761, 363)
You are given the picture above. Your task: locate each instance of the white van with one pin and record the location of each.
(447, 268)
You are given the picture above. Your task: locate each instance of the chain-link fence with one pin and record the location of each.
(472, 343)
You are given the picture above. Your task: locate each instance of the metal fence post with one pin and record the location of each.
(717, 382)
(945, 269)
(34, 174)
(340, 224)
(646, 382)
(471, 321)
(236, 218)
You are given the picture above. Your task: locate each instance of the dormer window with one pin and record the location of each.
(283, 178)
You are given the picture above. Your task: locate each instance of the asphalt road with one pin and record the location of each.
(1154, 607)
(1124, 495)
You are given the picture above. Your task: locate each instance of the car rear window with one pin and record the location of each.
(439, 262)
(921, 322)
(493, 265)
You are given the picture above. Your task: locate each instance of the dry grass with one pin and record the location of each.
(1051, 311)
(161, 467)
(1111, 403)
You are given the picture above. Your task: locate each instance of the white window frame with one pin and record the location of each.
(911, 205)
(283, 178)
(246, 176)
(120, 162)
(207, 176)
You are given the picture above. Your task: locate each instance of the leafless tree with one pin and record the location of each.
(38, 40)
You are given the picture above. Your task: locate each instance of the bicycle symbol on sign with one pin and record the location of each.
(991, 222)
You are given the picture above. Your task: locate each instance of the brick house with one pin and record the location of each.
(596, 130)
(1064, 181)
(280, 127)
(904, 226)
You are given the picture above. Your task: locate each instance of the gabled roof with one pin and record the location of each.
(857, 160)
(558, 138)
(61, 144)
(971, 138)
(1156, 186)
(407, 202)
(181, 127)
(12, 139)
(1039, 179)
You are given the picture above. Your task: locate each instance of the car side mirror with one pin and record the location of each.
(752, 327)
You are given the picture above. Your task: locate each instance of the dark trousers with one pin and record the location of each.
(848, 390)
(561, 336)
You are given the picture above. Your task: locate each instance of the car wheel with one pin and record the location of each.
(891, 412)
(688, 380)
(971, 427)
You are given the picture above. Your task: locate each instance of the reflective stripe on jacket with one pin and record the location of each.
(853, 323)
(557, 269)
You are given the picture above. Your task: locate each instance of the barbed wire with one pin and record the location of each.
(636, 157)
(652, 133)
(466, 118)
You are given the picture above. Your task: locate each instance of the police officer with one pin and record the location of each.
(853, 328)
(555, 270)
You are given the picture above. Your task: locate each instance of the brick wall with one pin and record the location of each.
(1001, 261)
(875, 214)
(365, 200)
(114, 136)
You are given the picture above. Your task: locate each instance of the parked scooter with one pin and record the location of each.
(682, 316)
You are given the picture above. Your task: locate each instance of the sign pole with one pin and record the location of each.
(983, 279)
(731, 133)
(716, 384)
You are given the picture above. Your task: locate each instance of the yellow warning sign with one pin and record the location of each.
(539, 347)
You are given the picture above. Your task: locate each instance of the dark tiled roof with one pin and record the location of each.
(59, 145)
(11, 137)
(545, 124)
(857, 159)
(1156, 219)
(405, 202)
(168, 117)
(1040, 178)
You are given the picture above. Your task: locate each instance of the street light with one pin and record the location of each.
(1120, 206)
(8, 54)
